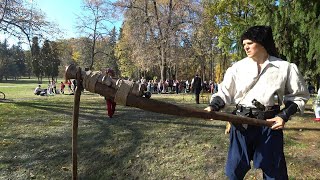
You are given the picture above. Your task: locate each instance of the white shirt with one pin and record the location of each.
(37, 89)
(276, 77)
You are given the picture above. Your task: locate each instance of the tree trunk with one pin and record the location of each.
(318, 81)
(163, 66)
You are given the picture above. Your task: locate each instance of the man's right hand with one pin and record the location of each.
(209, 109)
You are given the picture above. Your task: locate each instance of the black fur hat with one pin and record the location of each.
(263, 36)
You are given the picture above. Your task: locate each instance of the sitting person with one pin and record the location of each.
(37, 90)
(43, 92)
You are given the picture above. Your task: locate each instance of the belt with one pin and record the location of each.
(270, 112)
(240, 107)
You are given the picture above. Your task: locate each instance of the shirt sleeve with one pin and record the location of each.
(226, 89)
(296, 89)
(192, 80)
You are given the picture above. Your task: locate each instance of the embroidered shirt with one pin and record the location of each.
(242, 83)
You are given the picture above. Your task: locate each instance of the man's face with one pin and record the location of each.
(252, 49)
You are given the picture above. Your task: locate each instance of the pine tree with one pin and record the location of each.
(111, 59)
(18, 57)
(55, 60)
(36, 60)
(4, 59)
(46, 58)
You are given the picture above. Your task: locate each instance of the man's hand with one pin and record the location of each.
(209, 109)
(278, 123)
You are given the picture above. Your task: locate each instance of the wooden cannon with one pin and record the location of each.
(130, 94)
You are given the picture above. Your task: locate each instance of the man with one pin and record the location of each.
(252, 84)
(196, 86)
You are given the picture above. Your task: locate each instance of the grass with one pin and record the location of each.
(35, 140)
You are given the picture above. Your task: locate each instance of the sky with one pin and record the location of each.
(61, 12)
(64, 13)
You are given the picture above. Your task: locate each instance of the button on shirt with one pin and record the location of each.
(242, 83)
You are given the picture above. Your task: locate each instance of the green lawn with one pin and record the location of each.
(35, 140)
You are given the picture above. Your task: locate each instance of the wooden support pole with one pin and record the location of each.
(75, 119)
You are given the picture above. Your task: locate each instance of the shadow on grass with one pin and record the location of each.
(304, 129)
(88, 109)
(105, 145)
(88, 112)
(23, 81)
(107, 148)
(43, 156)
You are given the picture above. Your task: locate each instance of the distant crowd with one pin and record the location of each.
(177, 86)
(153, 86)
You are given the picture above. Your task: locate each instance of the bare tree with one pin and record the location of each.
(94, 24)
(19, 19)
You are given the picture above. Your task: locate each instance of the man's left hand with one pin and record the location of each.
(278, 123)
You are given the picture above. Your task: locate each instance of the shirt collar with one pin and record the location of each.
(272, 60)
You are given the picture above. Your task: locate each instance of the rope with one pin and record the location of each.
(124, 88)
(90, 80)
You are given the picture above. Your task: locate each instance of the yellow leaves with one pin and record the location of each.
(76, 56)
(218, 73)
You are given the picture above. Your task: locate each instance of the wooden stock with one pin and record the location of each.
(171, 109)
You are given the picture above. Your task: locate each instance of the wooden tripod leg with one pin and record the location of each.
(75, 118)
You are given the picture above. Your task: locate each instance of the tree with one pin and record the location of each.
(37, 66)
(45, 56)
(12, 61)
(152, 29)
(4, 59)
(19, 61)
(20, 19)
(93, 25)
(55, 60)
(50, 58)
(223, 23)
(314, 45)
(122, 52)
(28, 58)
(111, 59)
